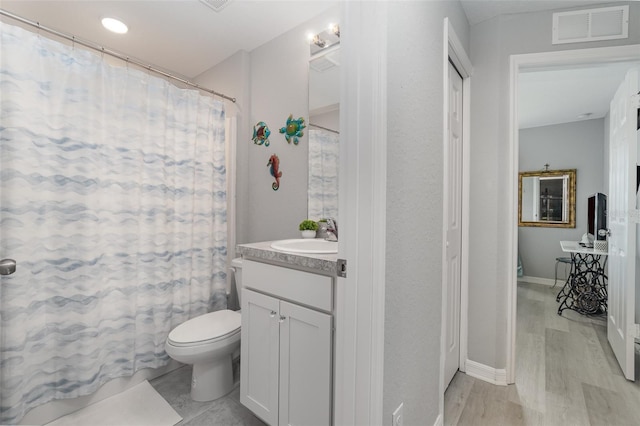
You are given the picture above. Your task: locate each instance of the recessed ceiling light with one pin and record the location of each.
(115, 25)
(585, 115)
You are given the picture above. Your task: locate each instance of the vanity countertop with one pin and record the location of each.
(325, 264)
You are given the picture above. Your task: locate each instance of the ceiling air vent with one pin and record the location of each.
(216, 5)
(604, 23)
(325, 62)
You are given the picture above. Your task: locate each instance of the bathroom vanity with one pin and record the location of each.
(286, 362)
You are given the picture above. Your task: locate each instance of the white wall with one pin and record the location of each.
(270, 83)
(578, 145)
(414, 205)
(492, 42)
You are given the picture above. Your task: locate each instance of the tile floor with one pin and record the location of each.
(228, 411)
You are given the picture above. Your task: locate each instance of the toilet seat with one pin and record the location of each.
(206, 329)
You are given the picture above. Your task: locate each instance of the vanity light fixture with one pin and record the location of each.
(115, 25)
(335, 29)
(318, 41)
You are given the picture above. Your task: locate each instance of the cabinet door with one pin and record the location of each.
(305, 366)
(259, 355)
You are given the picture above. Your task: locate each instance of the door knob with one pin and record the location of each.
(7, 266)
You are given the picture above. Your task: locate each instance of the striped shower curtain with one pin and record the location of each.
(324, 154)
(113, 204)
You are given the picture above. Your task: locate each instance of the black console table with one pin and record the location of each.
(585, 290)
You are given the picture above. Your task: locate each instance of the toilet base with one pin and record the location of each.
(212, 380)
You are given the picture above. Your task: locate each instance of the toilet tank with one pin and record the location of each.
(236, 267)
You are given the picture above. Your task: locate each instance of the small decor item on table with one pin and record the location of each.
(261, 134)
(308, 228)
(293, 130)
(274, 165)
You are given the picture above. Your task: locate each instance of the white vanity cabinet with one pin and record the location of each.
(286, 347)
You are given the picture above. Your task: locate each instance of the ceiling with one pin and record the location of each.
(555, 96)
(185, 37)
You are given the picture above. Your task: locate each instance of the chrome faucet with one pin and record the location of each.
(332, 229)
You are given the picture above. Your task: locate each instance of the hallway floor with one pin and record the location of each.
(566, 374)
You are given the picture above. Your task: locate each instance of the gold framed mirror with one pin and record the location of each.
(547, 198)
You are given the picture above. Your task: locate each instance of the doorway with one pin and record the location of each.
(528, 62)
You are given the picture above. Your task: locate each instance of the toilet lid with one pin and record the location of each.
(213, 325)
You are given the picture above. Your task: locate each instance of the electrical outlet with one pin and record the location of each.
(397, 418)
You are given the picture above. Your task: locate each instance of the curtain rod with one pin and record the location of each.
(324, 128)
(109, 52)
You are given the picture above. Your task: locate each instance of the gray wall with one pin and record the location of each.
(578, 145)
(330, 119)
(492, 42)
(414, 197)
(231, 77)
(270, 83)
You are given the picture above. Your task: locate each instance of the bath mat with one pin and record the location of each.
(140, 405)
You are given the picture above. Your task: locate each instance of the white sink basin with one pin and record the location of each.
(308, 246)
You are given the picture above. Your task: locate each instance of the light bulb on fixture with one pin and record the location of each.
(115, 25)
(319, 42)
(335, 29)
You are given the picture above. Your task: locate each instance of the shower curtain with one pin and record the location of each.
(324, 153)
(113, 204)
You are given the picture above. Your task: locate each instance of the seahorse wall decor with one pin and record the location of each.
(274, 167)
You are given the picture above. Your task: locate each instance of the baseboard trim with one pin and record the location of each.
(484, 372)
(543, 281)
(439, 421)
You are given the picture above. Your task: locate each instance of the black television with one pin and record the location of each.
(597, 215)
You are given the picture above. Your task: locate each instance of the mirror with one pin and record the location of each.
(324, 124)
(547, 198)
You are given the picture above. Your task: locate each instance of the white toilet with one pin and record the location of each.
(208, 342)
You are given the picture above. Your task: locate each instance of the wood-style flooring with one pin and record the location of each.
(566, 374)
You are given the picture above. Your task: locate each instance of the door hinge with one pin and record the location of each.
(342, 268)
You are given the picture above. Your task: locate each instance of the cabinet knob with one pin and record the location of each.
(282, 318)
(273, 314)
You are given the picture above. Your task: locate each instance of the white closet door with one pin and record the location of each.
(453, 257)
